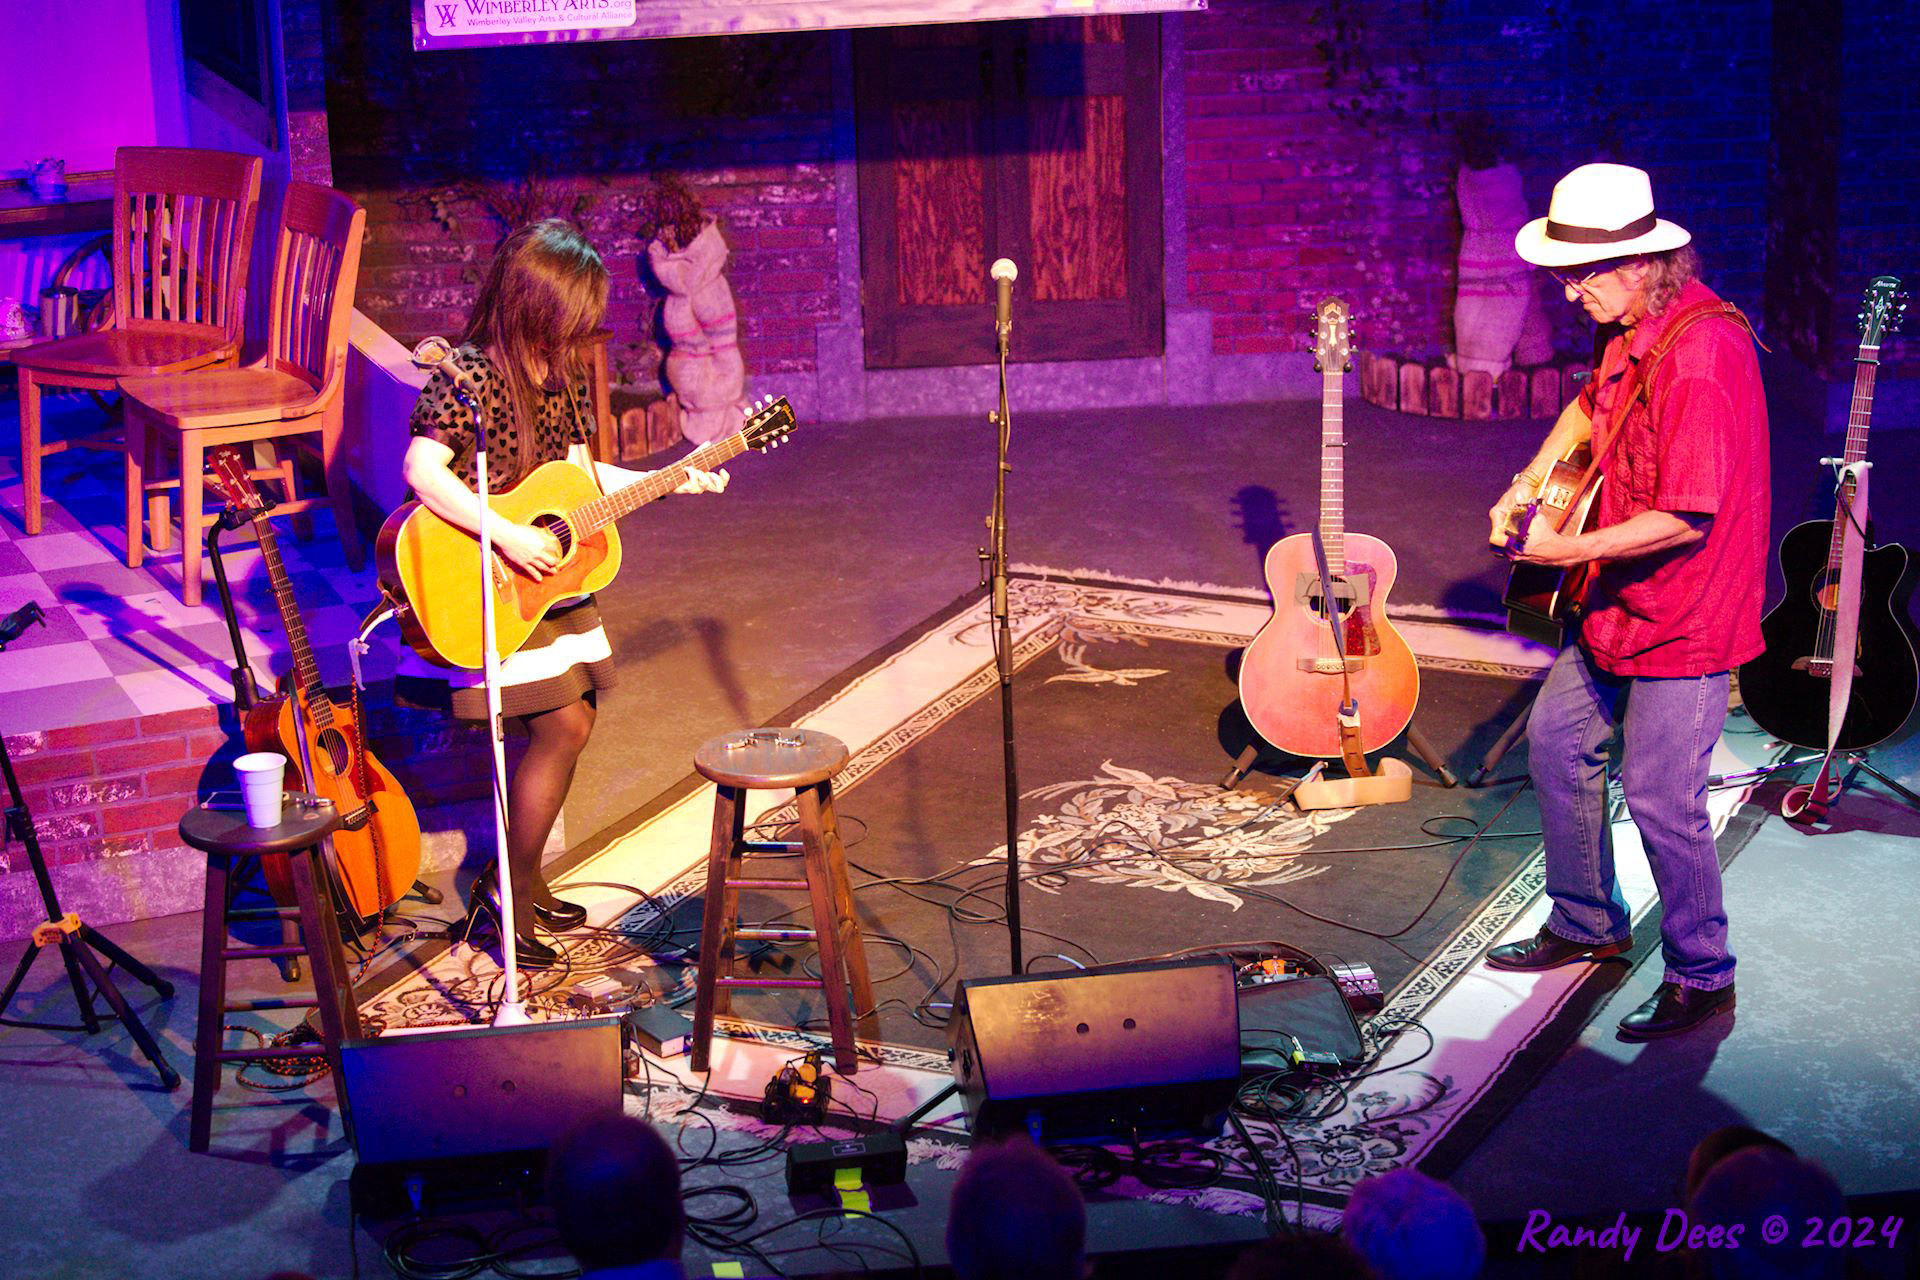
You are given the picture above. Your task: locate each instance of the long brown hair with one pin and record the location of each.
(544, 294)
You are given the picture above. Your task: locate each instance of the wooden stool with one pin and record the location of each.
(224, 836)
(768, 760)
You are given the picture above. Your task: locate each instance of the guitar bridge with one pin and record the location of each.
(1330, 666)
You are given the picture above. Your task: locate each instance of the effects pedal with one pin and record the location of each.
(1359, 985)
(799, 1093)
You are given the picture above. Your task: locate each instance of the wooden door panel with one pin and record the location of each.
(1076, 190)
(939, 188)
(1036, 141)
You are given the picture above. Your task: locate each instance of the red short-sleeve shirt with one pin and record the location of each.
(1696, 446)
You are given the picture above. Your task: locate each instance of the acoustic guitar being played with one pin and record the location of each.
(430, 569)
(1291, 681)
(377, 847)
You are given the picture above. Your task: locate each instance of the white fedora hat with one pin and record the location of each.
(1599, 211)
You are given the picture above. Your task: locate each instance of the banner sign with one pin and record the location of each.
(461, 24)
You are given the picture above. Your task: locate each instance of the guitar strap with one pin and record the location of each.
(1640, 388)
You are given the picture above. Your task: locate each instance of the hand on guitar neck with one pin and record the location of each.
(535, 551)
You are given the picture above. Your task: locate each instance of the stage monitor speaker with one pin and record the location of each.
(440, 1094)
(1099, 1053)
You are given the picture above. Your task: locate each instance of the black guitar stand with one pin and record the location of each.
(77, 940)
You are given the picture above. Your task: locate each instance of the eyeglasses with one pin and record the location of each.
(1580, 285)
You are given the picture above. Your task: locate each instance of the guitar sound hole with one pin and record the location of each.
(556, 526)
(338, 754)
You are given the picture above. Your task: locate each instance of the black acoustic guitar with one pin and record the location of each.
(1785, 689)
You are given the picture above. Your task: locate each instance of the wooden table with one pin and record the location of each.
(87, 206)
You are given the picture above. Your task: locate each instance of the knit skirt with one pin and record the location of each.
(566, 657)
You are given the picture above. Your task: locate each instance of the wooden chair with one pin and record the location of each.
(296, 389)
(183, 222)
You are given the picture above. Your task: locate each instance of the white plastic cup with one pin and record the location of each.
(262, 778)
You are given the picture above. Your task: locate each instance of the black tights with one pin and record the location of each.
(538, 788)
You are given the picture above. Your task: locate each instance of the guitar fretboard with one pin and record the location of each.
(590, 517)
(1859, 413)
(306, 671)
(1333, 449)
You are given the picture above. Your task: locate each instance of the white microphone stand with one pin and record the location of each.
(512, 1011)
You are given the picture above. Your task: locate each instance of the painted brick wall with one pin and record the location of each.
(1879, 179)
(112, 789)
(1319, 154)
(574, 130)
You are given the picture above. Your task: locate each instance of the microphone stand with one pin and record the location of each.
(511, 1011)
(994, 562)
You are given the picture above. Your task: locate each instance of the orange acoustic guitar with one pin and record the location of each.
(431, 569)
(377, 849)
(1290, 676)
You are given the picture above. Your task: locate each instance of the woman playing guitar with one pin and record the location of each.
(520, 360)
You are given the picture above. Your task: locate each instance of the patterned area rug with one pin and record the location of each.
(1127, 717)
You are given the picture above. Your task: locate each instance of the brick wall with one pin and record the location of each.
(444, 148)
(1316, 147)
(1319, 153)
(1878, 203)
(112, 789)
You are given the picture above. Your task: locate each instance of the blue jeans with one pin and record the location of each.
(1667, 731)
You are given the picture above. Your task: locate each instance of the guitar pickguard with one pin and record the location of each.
(1354, 590)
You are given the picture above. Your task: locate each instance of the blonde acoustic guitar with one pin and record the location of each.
(430, 569)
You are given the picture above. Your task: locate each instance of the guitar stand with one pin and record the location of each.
(1808, 802)
(1417, 742)
(76, 940)
(246, 689)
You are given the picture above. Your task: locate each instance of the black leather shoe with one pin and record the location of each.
(558, 914)
(529, 951)
(1548, 950)
(1673, 1009)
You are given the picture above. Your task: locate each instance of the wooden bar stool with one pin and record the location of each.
(771, 760)
(224, 836)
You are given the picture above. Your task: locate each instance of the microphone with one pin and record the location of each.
(437, 353)
(1004, 273)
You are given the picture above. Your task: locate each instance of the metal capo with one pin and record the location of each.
(766, 737)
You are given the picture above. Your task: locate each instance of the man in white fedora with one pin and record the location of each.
(1676, 419)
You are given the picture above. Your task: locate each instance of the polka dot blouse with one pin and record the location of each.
(564, 418)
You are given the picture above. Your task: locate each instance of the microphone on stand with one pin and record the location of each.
(1004, 273)
(437, 353)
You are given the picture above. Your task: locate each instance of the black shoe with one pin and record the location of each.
(1673, 1009)
(558, 914)
(528, 951)
(1548, 950)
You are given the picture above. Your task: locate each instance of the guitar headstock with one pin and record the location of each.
(1881, 309)
(231, 481)
(768, 423)
(1332, 337)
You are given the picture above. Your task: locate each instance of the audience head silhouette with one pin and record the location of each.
(1410, 1227)
(1720, 1144)
(1748, 1187)
(1311, 1257)
(1016, 1215)
(615, 1188)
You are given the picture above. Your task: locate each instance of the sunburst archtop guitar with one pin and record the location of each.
(1291, 675)
(430, 569)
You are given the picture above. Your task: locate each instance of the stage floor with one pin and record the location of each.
(735, 607)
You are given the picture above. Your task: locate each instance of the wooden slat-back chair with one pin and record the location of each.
(295, 390)
(183, 223)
